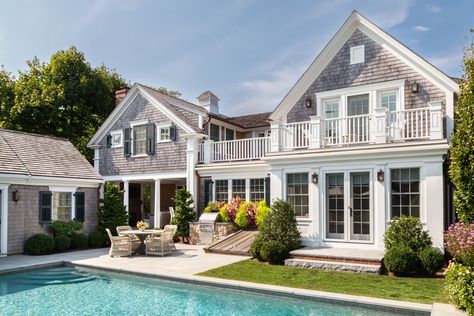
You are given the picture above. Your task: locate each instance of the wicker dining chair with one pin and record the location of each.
(173, 228)
(159, 244)
(135, 240)
(119, 245)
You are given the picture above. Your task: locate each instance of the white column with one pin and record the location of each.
(247, 189)
(275, 137)
(157, 207)
(314, 207)
(432, 214)
(380, 215)
(379, 127)
(4, 217)
(316, 128)
(96, 159)
(436, 118)
(207, 151)
(191, 161)
(276, 184)
(126, 195)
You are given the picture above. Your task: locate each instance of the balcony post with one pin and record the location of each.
(379, 125)
(207, 150)
(275, 136)
(436, 120)
(316, 125)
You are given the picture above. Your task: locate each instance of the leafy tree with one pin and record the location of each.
(65, 97)
(113, 212)
(461, 168)
(184, 212)
(173, 93)
(7, 94)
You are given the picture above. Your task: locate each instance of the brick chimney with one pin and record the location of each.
(209, 101)
(120, 95)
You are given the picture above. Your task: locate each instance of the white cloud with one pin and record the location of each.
(391, 13)
(450, 62)
(433, 8)
(421, 28)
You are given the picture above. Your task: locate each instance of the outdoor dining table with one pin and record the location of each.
(142, 235)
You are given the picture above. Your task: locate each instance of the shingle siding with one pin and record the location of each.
(23, 215)
(168, 157)
(379, 66)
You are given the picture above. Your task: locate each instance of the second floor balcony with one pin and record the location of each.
(379, 127)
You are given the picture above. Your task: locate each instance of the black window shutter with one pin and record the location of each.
(150, 139)
(207, 192)
(127, 142)
(45, 206)
(267, 190)
(109, 141)
(80, 206)
(173, 133)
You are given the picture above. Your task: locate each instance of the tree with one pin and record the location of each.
(7, 94)
(173, 93)
(113, 212)
(65, 97)
(461, 169)
(184, 212)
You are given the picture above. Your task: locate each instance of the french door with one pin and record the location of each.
(348, 211)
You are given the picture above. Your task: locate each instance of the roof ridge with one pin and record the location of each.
(33, 134)
(168, 95)
(259, 113)
(15, 153)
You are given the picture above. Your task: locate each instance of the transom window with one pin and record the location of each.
(139, 140)
(222, 190)
(164, 134)
(331, 108)
(62, 206)
(238, 188)
(297, 193)
(388, 100)
(257, 190)
(405, 192)
(214, 132)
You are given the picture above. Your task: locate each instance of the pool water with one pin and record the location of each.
(74, 291)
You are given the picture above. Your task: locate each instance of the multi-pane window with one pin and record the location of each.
(297, 193)
(214, 132)
(116, 139)
(229, 134)
(238, 188)
(164, 133)
(405, 192)
(331, 108)
(388, 100)
(257, 190)
(222, 190)
(358, 105)
(139, 140)
(62, 206)
(335, 205)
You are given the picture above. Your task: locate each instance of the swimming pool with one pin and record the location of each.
(77, 291)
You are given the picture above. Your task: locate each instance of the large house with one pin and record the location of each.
(360, 138)
(42, 179)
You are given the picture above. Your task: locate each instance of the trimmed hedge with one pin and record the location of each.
(431, 260)
(401, 260)
(274, 252)
(79, 241)
(256, 247)
(39, 244)
(97, 239)
(407, 231)
(61, 243)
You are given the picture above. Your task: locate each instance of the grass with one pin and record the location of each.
(420, 290)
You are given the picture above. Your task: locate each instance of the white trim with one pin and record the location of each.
(4, 219)
(115, 132)
(159, 127)
(146, 176)
(387, 85)
(47, 181)
(139, 123)
(356, 21)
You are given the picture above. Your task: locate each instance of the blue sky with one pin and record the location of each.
(249, 53)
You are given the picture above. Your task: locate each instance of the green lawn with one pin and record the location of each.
(421, 290)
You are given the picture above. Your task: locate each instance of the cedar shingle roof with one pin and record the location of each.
(38, 155)
(251, 120)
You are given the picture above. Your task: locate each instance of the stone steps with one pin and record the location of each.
(334, 265)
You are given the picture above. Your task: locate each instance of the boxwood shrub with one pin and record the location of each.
(256, 247)
(97, 239)
(401, 260)
(39, 244)
(274, 252)
(431, 260)
(407, 231)
(79, 241)
(61, 243)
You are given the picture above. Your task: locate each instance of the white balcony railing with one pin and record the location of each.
(379, 127)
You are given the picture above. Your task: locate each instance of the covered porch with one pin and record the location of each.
(149, 199)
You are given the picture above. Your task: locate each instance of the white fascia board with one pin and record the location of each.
(146, 176)
(49, 181)
(243, 169)
(394, 84)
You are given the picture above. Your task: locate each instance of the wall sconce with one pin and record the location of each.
(380, 175)
(315, 178)
(15, 196)
(414, 87)
(308, 103)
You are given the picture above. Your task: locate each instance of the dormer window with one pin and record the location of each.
(357, 54)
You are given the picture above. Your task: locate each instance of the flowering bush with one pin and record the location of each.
(460, 286)
(243, 213)
(459, 241)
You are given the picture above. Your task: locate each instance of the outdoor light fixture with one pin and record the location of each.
(308, 103)
(315, 178)
(380, 175)
(414, 87)
(15, 196)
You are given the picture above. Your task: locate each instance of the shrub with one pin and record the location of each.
(97, 239)
(459, 241)
(60, 228)
(213, 206)
(39, 244)
(256, 247)
(184, 212)
(280, 225)
(61, 243)
(79, 241)
(241, 219)
(274, 252)
(460, 286)
(112, 213)
(431, 260)
(407, 231)
(401, 260)
(262, 212)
